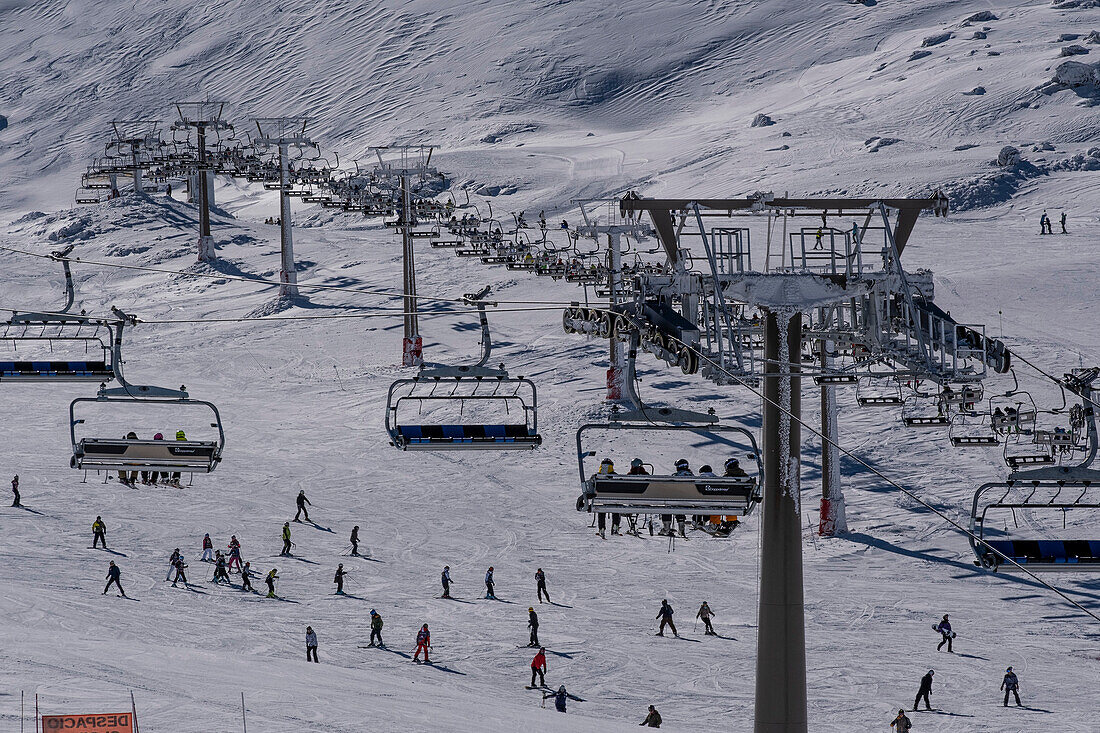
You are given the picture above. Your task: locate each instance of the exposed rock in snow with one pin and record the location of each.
(936, 39)
(1074, 74)
(3, 122)
(979, 35)
(1040, 147)
(1074, 50)
(762, 120)
(1071, 4)
(876, 143)
(1093, 37)
(919, 55)
(980, 17)
(966, 146)
(1067, 37)
(1008, 157)
(975, 92)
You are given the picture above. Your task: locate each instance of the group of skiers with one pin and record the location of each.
(1045, 226)
(1010, 683)
(717, 526)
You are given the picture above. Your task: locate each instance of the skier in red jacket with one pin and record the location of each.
(538, 667)
(423, 642)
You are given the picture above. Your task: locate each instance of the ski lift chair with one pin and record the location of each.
(882, 398)
(1042, 490)
(668, 494)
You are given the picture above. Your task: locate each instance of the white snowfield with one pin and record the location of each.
(670, 93)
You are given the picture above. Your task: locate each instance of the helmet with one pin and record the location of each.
(490, 567)
(682, 463)
(732, 462)
(531, 608)
(561, 689)
(373, 612)
(636, 462)
(705, 468)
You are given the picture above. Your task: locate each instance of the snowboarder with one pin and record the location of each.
(246, 577)
(1064, 223)
(944, 627)
(180, 575)
(665, 615)
(924, 691)
(207, 549)
(533, 624)
(901, 723)
(538, 667)
(339, 579)
(272, 576)
(423, 643)
(489, 594)
(302, 501)
(234, 552)
(445, 579)
(219, 569)
(540, 581)
(375, 628)
(355, 541)
(172, 563)
(311, 645)
(705, 613)
(286, 539)
(15, 490)
(1011, 684)
(99, 532)
(113, 574)
(653, 720)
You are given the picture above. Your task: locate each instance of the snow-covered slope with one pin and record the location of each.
(669, 91)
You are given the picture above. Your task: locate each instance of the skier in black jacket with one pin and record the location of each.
(113, 574)
(339, 579)
(302, 501)
(925, 690)
(665, 615)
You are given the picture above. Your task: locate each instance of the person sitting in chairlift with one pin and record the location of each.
(607, 467)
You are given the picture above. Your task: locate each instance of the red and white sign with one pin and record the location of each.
(98, 723)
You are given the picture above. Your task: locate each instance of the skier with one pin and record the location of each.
(163, 475)
(286, 539)
(15, 490)
(99, 532)
(219, 569)
(302, 501)
(375, 628)
(901, 723)
(924, 691)
(489, 594)
(311, 645)
(246, 577)
(733, 468)
(272, 576)
(705, 613)
(172, 563)
(540, 581)
(1011, 684)
(665, 614)
(607, 466)
(175, 480)
(1064, 223)
(180, 575)
(339, 579)
(445, 578)
(533, 624)
(355, 541)
(423, 643)
(538, 667)
(113, 574)
(234, 552)
(207, 549)
(1044, 222)
(168, 190)
(560, 696)
(653, 720)
(944, 627)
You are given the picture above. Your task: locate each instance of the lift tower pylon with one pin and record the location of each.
(284, 133)
(203, 117)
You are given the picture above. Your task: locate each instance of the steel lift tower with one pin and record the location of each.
(132, 137)
(203, 117)
(284, 133)
(411, 161)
